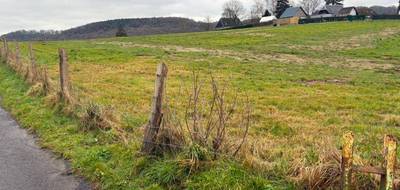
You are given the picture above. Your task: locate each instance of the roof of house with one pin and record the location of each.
(320, 12)
(292, 12)
(366, 11)
(228, 22)
(267, 19)
(332, 9)
(347, 10)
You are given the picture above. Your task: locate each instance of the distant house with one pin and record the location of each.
(338, 11)
(293, 12)
(330, 10)
(228, 23)
(365, 11)
(348, 11)
(267, 18)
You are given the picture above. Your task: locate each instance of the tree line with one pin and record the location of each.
(111, 28)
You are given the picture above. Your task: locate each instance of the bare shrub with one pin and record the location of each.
(209, 119)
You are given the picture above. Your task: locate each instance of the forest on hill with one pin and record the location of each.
(104, 29)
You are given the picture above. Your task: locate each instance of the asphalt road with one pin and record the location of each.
(24, 166)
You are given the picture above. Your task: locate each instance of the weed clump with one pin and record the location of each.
(326, 173)
(36, 90)
(166, 173)
(97, 117)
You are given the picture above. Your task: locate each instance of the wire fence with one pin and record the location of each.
(75, 97)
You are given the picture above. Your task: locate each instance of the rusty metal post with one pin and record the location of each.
(64, 75)
(390, 151)
(155, 119)
(347, 161)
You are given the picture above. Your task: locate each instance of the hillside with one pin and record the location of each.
(307, 85)
(134, 27)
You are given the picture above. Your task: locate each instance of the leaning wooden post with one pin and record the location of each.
(390, 151)
(347, 161)
(64, 76)
(155, 119)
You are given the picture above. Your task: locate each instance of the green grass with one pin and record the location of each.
(100, 159)
(309, 84)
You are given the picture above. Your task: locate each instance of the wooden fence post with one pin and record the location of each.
(64, 75)
(46, 81)
(155, 119)
(17, 57)
(1, 53)
(390, 151)
(32, 68)
(5, 49)
(2, 49)
(347, 161)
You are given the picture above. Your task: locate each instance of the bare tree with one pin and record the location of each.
(310, 6)
(233, 9)
(209, 23)
(334, 2)
(398, 9)
(271, 5)
(258, 9)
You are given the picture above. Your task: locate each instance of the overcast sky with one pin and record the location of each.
(64, 14)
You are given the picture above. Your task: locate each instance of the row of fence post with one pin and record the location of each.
(156, 116)
(32, 71)
(387, 171)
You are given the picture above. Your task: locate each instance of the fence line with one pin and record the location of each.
(387, 171)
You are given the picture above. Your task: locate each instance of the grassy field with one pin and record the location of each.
(308, 85)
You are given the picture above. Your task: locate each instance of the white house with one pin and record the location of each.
(348, 11)
(267, 17)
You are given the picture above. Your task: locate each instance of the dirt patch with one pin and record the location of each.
(326, 81)
(360, 41)
(283, 58)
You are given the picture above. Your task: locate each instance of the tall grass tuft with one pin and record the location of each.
(97, 117)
